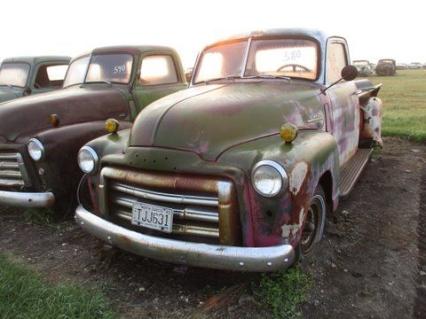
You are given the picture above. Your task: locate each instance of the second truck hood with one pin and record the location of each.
(27, 116)
(210, 119)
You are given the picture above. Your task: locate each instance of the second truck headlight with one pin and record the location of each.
(87, 160)
(35, 149)
(269, 178)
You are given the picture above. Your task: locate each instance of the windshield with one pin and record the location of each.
(221, 61)
(297, 58)
(14, 74)
(76, 71)
(112, 68)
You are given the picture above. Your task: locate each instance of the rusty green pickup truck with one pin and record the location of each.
(40, 135)
(240, 170)
(31, 75)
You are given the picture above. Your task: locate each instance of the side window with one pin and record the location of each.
(336, 61)
(49, 76)
(158, 69)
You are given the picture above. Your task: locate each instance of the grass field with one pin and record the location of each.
(404, 100)
(23, 294)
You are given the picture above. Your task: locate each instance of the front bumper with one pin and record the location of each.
(27, 200)
(195, 254)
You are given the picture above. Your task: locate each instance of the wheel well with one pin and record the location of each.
(326, 182)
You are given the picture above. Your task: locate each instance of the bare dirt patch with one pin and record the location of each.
(371, 263)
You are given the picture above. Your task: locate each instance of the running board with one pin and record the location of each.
(351, 171)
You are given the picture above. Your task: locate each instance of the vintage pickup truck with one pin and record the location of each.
(31, 75)
(240, 170)
(40, 135)
(386, 67)
(364, 67)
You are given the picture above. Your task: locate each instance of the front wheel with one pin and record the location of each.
(313, 227)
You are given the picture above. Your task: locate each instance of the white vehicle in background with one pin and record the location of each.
(401, 66)
(415, 65)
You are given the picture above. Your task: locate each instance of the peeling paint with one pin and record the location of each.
(297, 177)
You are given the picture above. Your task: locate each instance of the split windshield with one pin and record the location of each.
(108, 68)
(14, 74)
(282, 57)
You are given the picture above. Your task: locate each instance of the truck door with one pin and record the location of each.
(345, 108)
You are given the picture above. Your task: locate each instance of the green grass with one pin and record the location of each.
(283, 292)
(24, 295)
(404, 103)
(39, 216)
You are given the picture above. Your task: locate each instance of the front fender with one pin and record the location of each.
(306, 160)
(60, 167)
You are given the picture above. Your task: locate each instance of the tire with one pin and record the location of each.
(313, 227)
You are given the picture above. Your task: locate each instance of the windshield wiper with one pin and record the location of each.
(267, 76)
(229, 77)
(100, 81)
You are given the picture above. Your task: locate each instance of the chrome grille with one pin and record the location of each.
(12, 170)
(192, 215)
(202, 208)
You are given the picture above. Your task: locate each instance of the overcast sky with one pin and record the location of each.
(374, 29)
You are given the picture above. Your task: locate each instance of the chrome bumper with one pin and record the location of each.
(29, 200)
(194, 254)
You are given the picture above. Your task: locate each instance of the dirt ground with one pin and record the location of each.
(371, 263)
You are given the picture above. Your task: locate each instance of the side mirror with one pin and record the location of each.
(349, 73)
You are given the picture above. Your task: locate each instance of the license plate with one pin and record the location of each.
(152, 216)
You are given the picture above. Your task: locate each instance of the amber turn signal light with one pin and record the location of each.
(288, 132)
(111, 125)
(54, 120)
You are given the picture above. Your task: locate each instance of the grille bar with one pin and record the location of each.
(165, 197)
(9, 165)
(11, 183)
(9, 156)
(12, 171)
(10, 174)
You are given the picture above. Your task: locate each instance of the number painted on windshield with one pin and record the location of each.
(118, 69)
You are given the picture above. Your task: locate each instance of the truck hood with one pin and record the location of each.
(7, 93)
(25, 117)
(210, 119)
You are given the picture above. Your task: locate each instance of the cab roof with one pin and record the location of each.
(37, 59)
(318, 35)
(129, 49)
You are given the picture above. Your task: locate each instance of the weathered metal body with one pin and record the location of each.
(35, 65)
(195, 150)
(80, 111)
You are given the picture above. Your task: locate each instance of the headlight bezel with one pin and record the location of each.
(94, 156)
(39, 145)
(280, 171)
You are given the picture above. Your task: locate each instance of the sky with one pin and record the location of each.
(374, 29)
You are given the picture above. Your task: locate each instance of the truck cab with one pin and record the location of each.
(31, 75)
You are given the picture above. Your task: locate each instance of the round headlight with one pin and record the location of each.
(268, 178)
(87, 159)
(35, 149)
